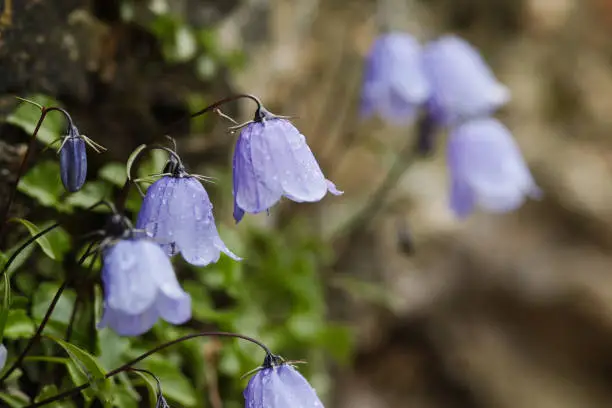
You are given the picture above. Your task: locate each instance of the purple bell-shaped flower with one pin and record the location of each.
(486, 169)
(279, 385)
(73, 161)
(394, 84)
(271, 160)
(177, 214)
(140, 286)
(462, 84)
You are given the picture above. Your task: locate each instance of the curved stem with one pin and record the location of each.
(125, 190)
(25, 245)
(181, 339)
(24, 163)
(128, 366)
(211, 108)
(36, 335)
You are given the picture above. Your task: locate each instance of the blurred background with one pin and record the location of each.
(391, 300)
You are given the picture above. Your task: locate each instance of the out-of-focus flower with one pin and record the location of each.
(271, 160)
(462, 84)
(486, 169)
(177, 213)
(139, 287)
(394, 84)
(279, 385)
(3, 355)
(73, 161)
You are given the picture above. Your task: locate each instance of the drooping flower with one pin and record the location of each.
(73, 161)
(279, 385)
(487, 169)
(177, 214)
(271, 160)
(394, 84)
(140, 286)
(462, 84)
(3, 355)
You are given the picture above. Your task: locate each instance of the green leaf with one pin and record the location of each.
(151, 386)
(43, 242)
(43, 184)
(6, 304)
(85, 368)
(122, 398)
(14, 400)
(49, 391)
(91, 193)
(19, 325)
(112, 348)
(20, 258)
(42, 299)
(114, 173)
(26, 116)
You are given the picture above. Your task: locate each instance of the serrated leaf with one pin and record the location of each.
(26, 116)
(84, 367)
(42, 242)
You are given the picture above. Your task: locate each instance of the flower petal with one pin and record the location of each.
(256, 182)
(196, 235)
(253, 393)
(154, 216)
(295, 166)
(484, 156)
(126, 324)
(463, 85)
(394, 81)
(126, 277)
(301, 391)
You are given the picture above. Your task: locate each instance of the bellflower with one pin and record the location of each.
(177, 213)
(271, 160)
(73, 161)
(139, 287)
(487, 169)
(462, 84)
(279, 385)
(3, 355)
(394, 84)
